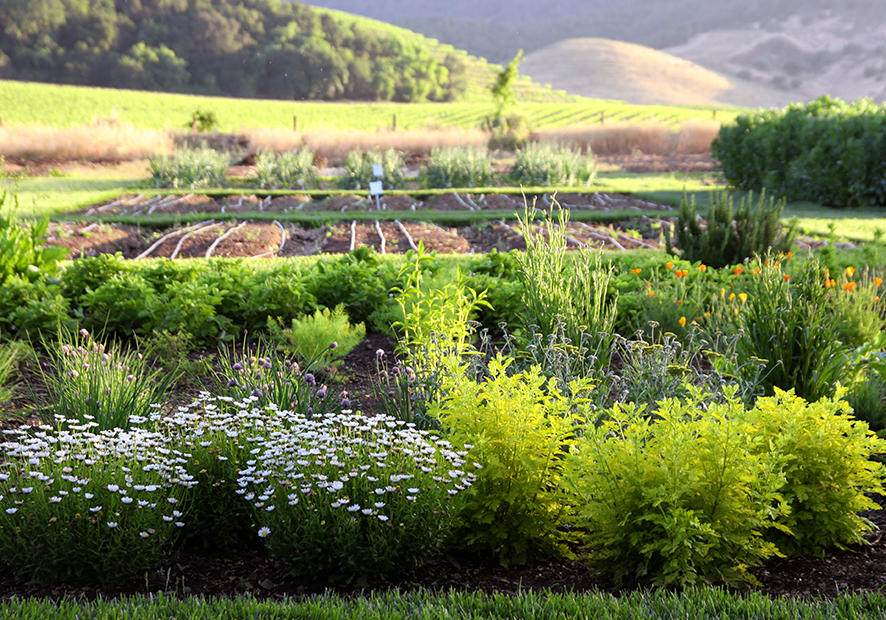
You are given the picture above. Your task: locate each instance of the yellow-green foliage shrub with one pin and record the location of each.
(680, 499)
(521, 427)
(825, 456)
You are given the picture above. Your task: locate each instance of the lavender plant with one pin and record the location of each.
(81, 506)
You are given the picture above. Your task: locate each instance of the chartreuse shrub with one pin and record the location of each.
(733, 233)
(89, 381)
(189, 168)
(458, 167)
(289, 170)
(83, 507)
(681, 499)
(824, 455)
(322, 338)
(352, 497)
(358, 173)
(537, 165)
(521, 427)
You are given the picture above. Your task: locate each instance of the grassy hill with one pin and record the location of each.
(480, 72)
(29, 103)
(617, 70)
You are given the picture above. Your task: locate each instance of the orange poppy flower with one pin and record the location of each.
(850, 271)
(878, 281)
(638, 270)
(702, 267)
(682, 321)
(669, 265)
(789, 255)
(651, 293)
(850, 286)
(738, 271)
(743, 297)
(787, 277)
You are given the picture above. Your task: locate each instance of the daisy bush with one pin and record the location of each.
(213, 431)
(348, 497)
(78, 505)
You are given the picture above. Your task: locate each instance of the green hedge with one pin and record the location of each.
(827, 151)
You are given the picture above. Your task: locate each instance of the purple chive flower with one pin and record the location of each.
(238, 366)
(395, 371)
(73, 373)
(333, 345)
(379, 353)
(321, 393)
(256, 392)
(345, 403)
(310, 410)
(266, 363)
(232, 383)
(98, 403)
(309, 378)
(84, 333)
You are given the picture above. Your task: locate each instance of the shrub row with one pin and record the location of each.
(535, 165)
(827, 151)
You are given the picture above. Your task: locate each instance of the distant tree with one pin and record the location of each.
(503, 87)
(152, 68)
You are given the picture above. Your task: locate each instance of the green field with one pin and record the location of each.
(30, 103)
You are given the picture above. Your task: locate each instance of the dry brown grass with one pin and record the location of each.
(694, 137)
(335, 145)
(101, 141)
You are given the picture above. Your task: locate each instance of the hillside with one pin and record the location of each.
(607, 69)
(840, 44)
(259, 48)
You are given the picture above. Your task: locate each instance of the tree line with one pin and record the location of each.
(243, 48)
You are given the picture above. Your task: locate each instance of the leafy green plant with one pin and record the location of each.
(359, 280)
(203, 121)
(323, 338)
(23, 251)
(682, 499)
(538, 165)
(826, 151)
(358, 169)
(788, 322)
(520, 426)
(29, 309)
(189, 168)
(458, 167)
(573, 290)
(285, 170)
(826, 459)
(87, 381)
(83, 507)
(731, 234)
(375, 498)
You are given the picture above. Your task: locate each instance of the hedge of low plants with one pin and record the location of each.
(828, 151)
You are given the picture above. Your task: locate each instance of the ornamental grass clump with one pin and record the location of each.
(538, 165)
(351, 497)
(288, 170)
(79, 505)
(189, 168)
(89, 381)
(458, 167)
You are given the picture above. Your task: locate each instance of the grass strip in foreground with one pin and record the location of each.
(693, 603)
